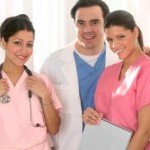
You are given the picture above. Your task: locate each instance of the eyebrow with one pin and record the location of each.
(80, 21)
(18, 39)
(95, 20)
(22, 39)
(90, 20)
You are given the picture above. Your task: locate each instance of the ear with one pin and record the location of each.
(136, 31)
(3, 43)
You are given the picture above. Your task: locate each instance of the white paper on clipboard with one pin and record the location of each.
(106, 136)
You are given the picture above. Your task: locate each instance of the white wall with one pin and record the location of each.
(141, 11)
(52, 21)
(11, 8)
(55, 27)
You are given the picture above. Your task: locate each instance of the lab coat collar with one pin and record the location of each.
(69, 68)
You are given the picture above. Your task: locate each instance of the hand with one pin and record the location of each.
(3, 87)
(91, 116)
(38, 87)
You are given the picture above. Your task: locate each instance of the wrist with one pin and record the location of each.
(47, 103)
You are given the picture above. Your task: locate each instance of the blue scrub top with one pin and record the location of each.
(88, 77)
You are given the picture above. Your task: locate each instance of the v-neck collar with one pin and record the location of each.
(19, 82)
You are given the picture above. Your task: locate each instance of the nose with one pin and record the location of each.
(115, 45)
(87, 28)
(24, 49)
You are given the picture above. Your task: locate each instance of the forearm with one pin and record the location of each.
(139, 141)
(39, 88)
(52, 117)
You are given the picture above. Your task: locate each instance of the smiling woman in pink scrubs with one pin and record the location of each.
(28, 103)
(122, 95)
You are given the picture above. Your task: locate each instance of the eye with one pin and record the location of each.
(109, 40)
(18, 43)
(121, 36)
(95, 22)
(30, 45)
(80, 23)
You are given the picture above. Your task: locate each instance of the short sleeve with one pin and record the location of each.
(50, 87)
(143, 87)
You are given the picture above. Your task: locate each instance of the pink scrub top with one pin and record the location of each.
(120, 100)
(16, 131)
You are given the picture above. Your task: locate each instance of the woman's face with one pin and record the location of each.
(122, 41)
(19, 47)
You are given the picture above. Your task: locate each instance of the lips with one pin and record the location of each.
(89, 37)
(119, 51)
(22, 57)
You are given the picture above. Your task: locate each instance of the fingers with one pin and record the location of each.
(90, 116)
(33, 83)
(31, 80)
(3, 87)
(38, 87)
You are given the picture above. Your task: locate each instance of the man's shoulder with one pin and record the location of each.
(56, 53)
(65, 49)
(60, 53)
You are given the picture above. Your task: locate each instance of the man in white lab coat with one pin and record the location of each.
(76, 68)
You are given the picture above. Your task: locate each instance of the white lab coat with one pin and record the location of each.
(60, 67)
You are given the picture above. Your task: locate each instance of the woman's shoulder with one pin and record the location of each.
(145, 58)
(113, 66)
(42, 77)
(143, 62)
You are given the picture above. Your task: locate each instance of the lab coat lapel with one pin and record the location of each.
(69, 68)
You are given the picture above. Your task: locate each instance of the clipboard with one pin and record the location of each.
(106, 136)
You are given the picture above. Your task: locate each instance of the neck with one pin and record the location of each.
(13, 72)
(131, 60)
(12, 69)
(88, 51)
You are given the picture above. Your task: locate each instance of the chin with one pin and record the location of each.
(121, 57)
(89, 46)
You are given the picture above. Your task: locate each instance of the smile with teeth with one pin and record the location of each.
(88, 37)
(119, 51)
(21, 57)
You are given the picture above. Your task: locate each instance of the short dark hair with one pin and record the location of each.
(88, 3)
(125, 19)
(12, 25)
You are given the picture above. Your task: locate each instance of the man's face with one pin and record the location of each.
(89, 27)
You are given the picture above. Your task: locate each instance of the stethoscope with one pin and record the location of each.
(6, 99)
